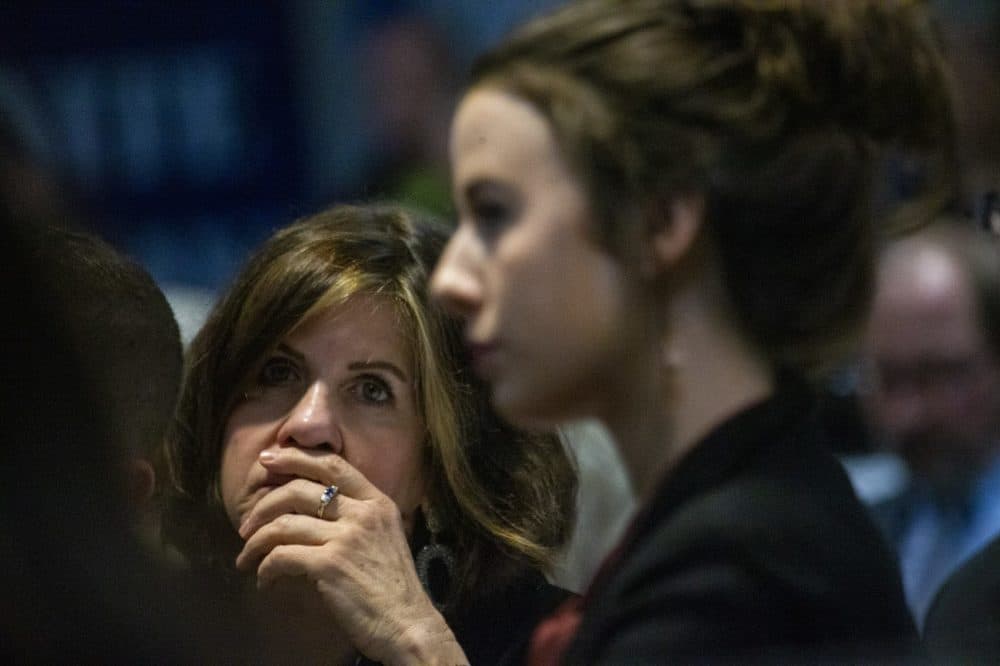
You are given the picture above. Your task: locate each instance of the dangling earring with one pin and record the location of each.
(670, 357)
(435, 563)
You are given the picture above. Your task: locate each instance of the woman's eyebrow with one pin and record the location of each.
(379, 365)
(284, 348)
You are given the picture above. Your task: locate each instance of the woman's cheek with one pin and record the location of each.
(239, 455)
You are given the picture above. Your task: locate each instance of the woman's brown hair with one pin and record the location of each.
(505, 497)
(770, 110)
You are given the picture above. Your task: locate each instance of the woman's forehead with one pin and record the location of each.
(497, 131)
(362, 325)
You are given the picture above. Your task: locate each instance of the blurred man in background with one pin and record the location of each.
(933, 346)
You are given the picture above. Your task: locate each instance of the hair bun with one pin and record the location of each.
(869, 66)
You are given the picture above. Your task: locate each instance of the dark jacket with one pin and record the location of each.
(754, 548)
(494, 626)
(964, 621)
(497, 628)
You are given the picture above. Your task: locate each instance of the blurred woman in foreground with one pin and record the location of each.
(680, 190)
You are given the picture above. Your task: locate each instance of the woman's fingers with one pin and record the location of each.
(321, 466)
(360, 564)
(284, 530)
(285, 561)
(300, 496)
(367, 579)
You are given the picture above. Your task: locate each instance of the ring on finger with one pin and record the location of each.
(328, 494)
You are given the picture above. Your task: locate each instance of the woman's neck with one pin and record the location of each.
(701, 372)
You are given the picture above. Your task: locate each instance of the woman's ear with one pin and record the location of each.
(672, 229)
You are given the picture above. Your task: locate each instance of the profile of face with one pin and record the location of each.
(341, 383)
(543, 303)
(936, 389)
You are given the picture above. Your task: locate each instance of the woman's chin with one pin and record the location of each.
(526, 408)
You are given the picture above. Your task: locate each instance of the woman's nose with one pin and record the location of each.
(311, 422)
(455, 282)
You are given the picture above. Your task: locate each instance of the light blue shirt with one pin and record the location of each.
(939, 537)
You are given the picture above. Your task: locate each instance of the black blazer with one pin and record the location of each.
(754, 547)
(497, 628)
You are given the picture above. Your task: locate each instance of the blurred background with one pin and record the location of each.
(185, 132)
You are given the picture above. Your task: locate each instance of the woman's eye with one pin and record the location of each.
(490, 215)
(373, 390)
(277, 371)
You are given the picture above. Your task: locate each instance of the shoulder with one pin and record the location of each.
(780, 553)
(792, 501)
(794, 522)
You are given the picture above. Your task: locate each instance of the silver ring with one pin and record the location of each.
(327, 497)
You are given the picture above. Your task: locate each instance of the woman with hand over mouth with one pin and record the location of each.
(335, 460)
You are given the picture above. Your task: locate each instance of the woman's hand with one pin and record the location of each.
(357, 556)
